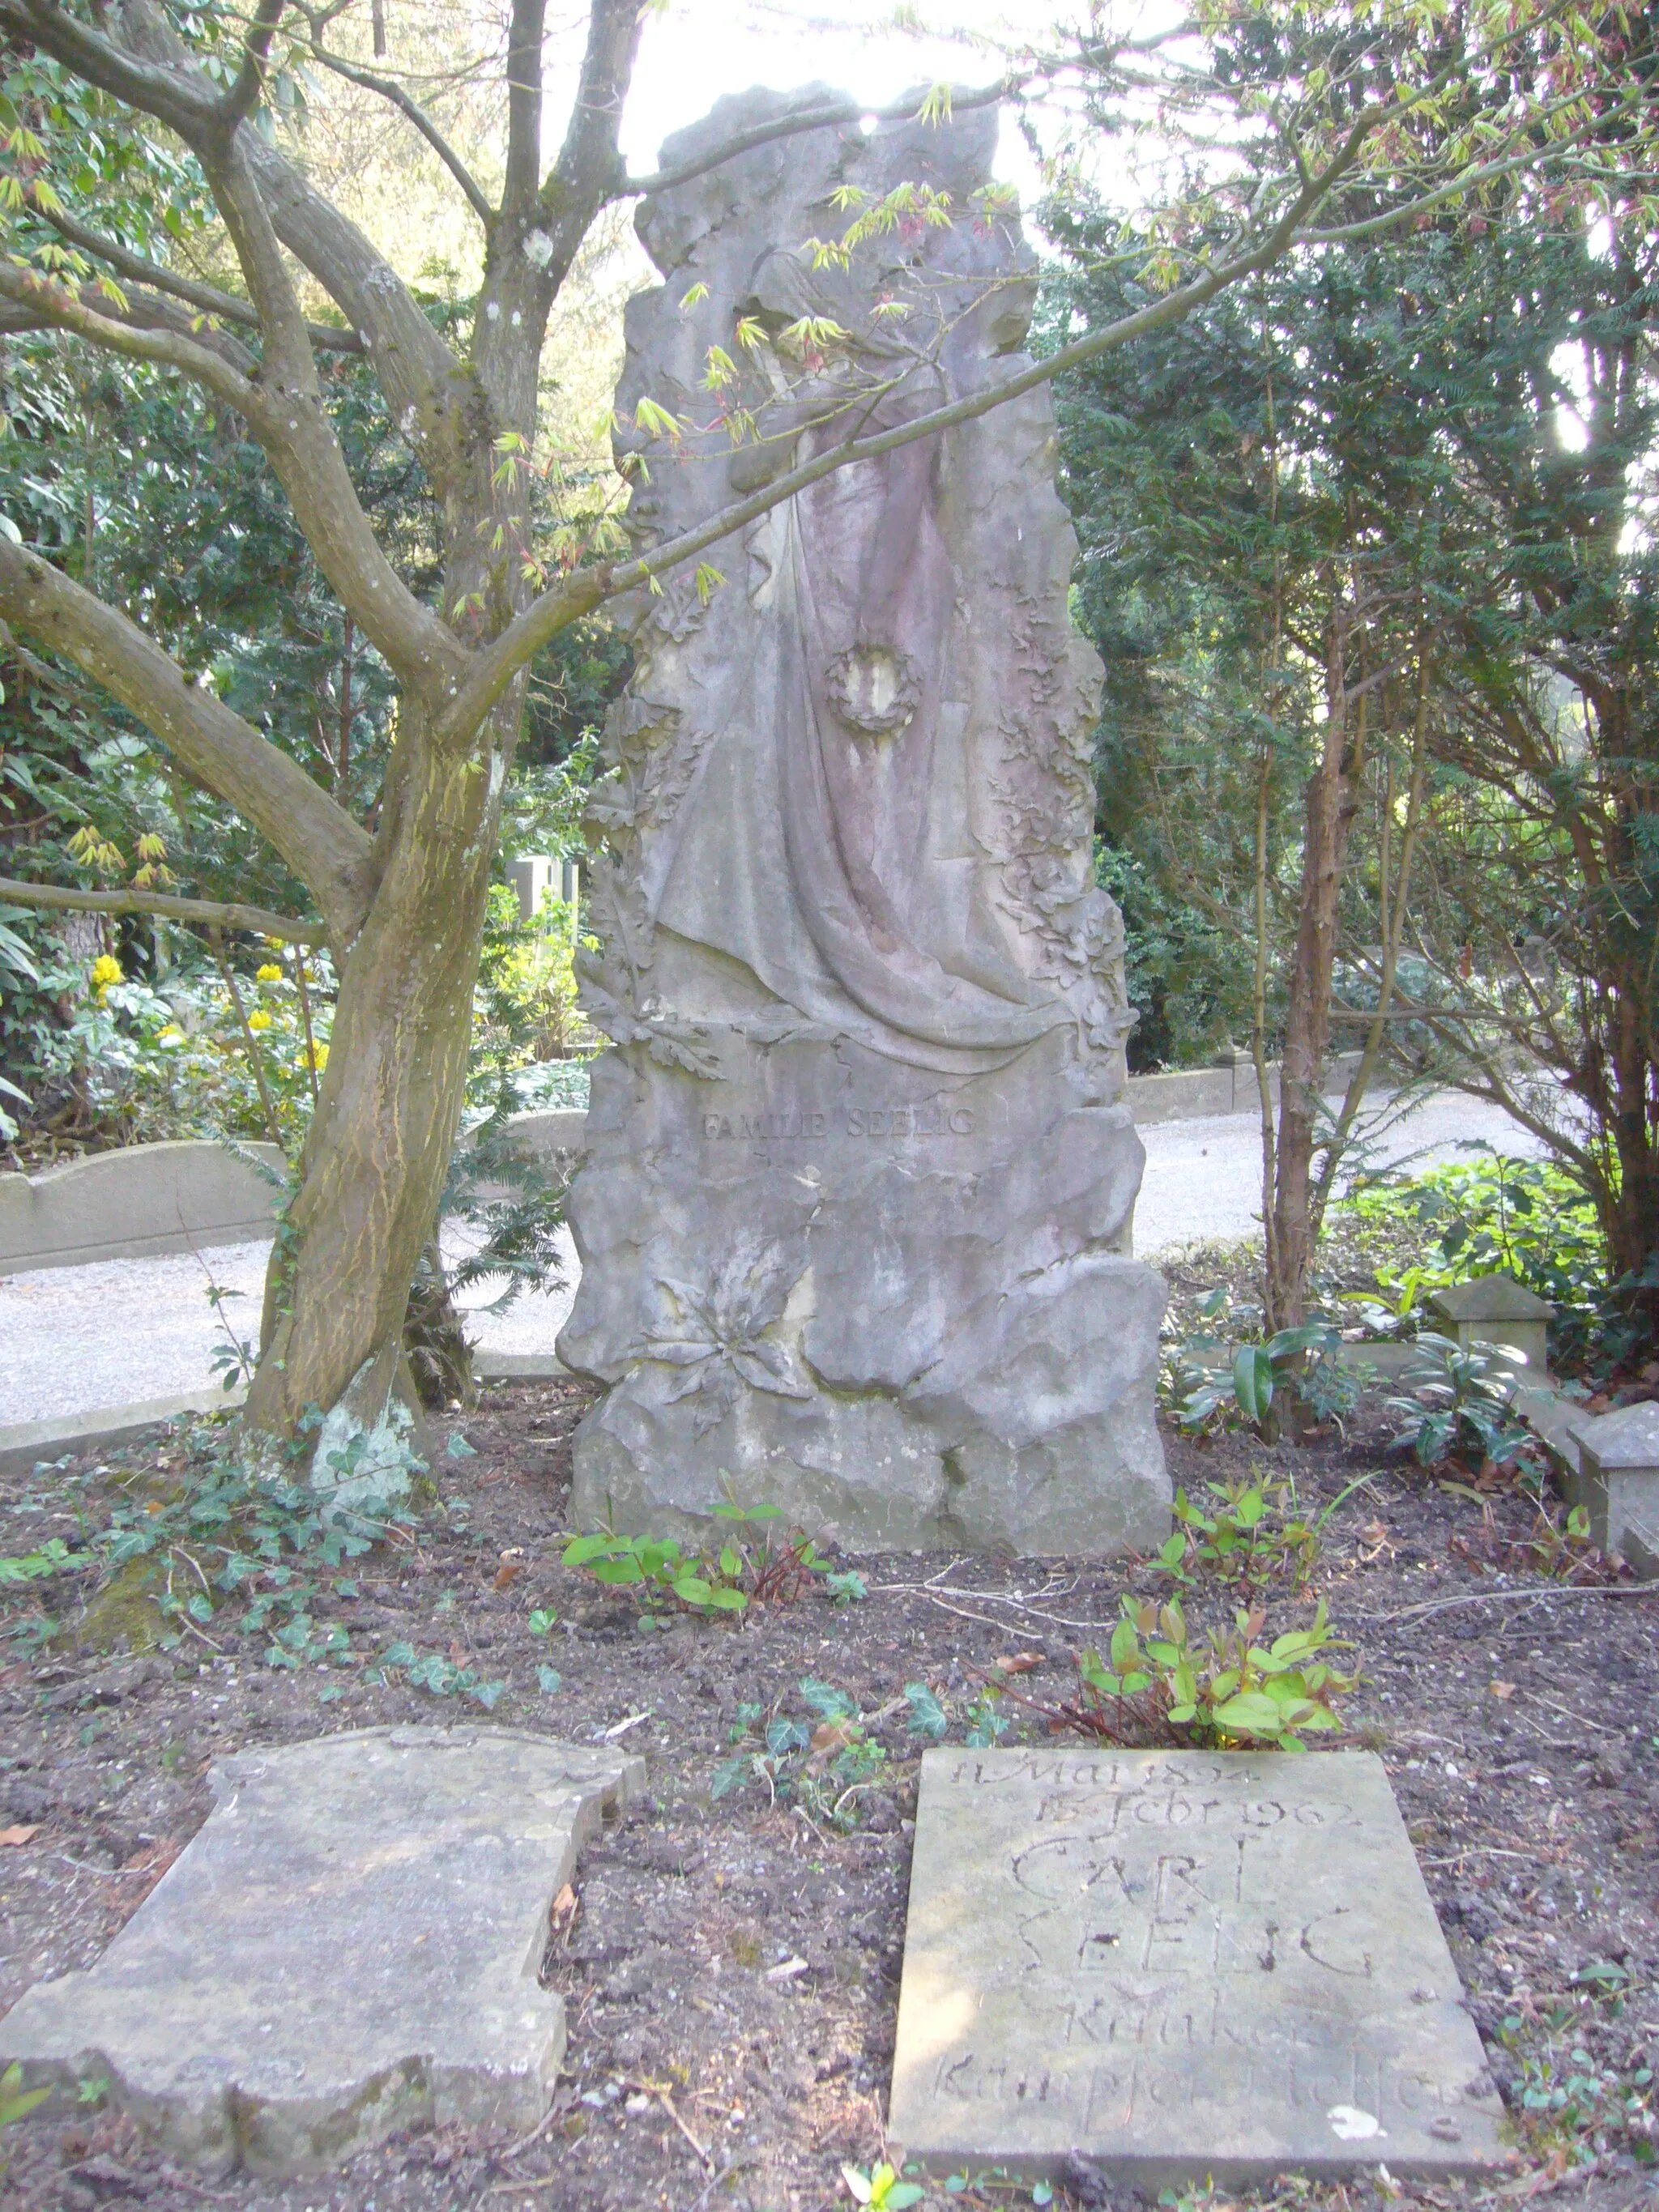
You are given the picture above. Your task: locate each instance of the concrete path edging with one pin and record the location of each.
(182, 1195)
(24, 1445)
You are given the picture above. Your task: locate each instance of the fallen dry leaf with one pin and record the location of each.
(562, 1913)
(508, 1571)
(1019, 1663)
(18, 1835)
(832, 1736)
(1502, 1689)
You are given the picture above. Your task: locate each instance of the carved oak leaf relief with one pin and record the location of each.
(716, 1335)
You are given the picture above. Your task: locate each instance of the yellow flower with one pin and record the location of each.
(271, 973)
(171, 1035)
(106, 970)
(258, 1019)
(320, 1057)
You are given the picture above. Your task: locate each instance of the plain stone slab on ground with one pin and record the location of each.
(350, 1946)
(1179, 1965)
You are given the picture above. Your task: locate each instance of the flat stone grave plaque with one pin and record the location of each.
(350, 1946)
(1179, 1965)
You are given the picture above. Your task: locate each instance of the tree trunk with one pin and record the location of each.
(1328, 804)
(379, 1146)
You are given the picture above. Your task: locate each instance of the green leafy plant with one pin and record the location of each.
(443, 1677)
(1155, 1685)
(1489, 1215)
(748, 1568)
(1455, 1404)
(1250, 1533)
(1295, 1375)
(661, 1571)
(1569, 2101)
(928, 1718)
(824, 1765)
(271, 1543)
(54, 1556)
(16, 2103)
(879, 2189)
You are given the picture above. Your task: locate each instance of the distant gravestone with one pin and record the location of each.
(860, 1168)
(350, 1946)
(1179, 1965)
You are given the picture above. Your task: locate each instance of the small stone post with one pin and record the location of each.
(1497, 1312)
(1618, 1482)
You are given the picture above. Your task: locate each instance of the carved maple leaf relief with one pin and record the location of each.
(715, 1332)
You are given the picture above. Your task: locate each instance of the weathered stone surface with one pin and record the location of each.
(1178, 1964)
(1618, 1482)
(860, 1170)
(350, 1945)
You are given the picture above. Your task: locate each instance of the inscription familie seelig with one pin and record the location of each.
(931, 1119)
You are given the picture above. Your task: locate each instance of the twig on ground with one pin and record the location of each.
(733, 2166)
(554, 2111)
(1514, 1597)
(658, 2090)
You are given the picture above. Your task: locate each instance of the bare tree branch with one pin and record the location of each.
(319, 840)
(524, 106)
(180, 97)
(583, 176)
(387, 88)
(153, 70)
(206, 297)
(254, 918)
(290, 421)
(789, 127)
(51, 303)
(243, 97)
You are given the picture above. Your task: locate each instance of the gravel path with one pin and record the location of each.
(74, 1340)
(1204, 1178)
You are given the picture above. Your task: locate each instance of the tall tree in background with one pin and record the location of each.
(1375, 642)
(402, 902)
(1537, 923)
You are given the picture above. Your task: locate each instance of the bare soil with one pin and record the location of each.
(732, 1968)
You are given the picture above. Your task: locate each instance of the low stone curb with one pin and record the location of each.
(28, 1443)
(518, 1366)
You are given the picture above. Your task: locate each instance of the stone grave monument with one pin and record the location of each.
(349, 1947)
(1179, 1965)
(854, 1217)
